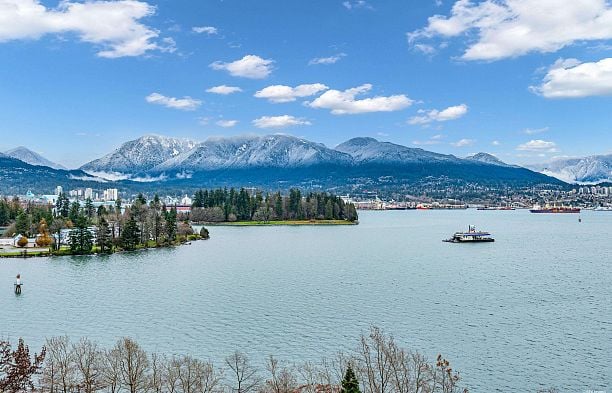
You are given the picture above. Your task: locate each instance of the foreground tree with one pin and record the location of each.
(350, 383)
(17, 369)
(243, 376)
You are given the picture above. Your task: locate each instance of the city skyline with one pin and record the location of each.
(455, 77)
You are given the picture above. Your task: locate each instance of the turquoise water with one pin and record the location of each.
(532, 310)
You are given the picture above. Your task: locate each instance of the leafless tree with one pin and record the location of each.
(59, 373)
(158, 373)
(244, 375)
(111, 371)
(281, 379)
(88, 362)
(374, 362)
(133, 365)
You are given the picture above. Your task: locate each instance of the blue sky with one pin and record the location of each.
(522, 80)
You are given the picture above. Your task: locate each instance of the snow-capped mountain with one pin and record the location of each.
(592, 169)
(28, 156)
(370, 150)
(486, 158)
(241, 152)
(138, 156)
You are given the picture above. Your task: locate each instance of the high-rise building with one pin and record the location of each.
(59, 190)
(88, 193)
(110, 194)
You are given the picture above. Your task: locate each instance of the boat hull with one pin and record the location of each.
(555, 211)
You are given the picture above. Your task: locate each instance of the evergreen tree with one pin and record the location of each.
(350, 383)
(89, 208)
(62, 206)
(4, 213)
(170, 227)
(130, 234)
(104, 237)
(75, 211)
(22, 224)
(81, 239)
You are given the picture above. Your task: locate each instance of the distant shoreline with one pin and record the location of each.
(278, 223)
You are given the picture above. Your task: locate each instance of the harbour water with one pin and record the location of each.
(532, 310)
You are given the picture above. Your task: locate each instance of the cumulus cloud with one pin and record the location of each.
(281, 93)
(250, 66)
(114, 26)
(345, 102)
(327, 60)
(538, 145)
(450, 113)
(208, 30)
(571, 79)
(463, 142)
(185, 103)
(510, 28)
(284, 121)
(224, 90)
(226, 123)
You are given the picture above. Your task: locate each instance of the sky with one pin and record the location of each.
(526, 81)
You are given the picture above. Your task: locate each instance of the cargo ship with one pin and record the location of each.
(555, 209)
(471, 236)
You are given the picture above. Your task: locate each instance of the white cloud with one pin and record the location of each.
(571, 79)
(224, 90)
(510, 28)
(496, 143)
(208, 30)
(450, 113)
(185, 103)
(538, 145)
(280, 122)
(344, 102)
(114, 26)
(533, 131)
(281, 93)
(226, 123)
(463, 142)
(353, 4)
(250, 66)
(434, 140)
(327, 60)
(425, 49)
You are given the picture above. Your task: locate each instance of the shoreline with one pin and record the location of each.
(279, 223)
(66, 253)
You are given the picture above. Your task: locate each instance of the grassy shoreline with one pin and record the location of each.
(65, 251)
(279, 223)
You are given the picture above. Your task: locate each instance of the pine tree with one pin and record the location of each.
(104, 239)
(81, 239)
(22, 224)
(130, 234)
(350, 383)
(170, 227)
(89, 208)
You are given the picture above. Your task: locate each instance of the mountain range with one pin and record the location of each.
(272, 161)
(28, 156)
(591, 169)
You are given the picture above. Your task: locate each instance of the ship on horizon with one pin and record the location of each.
(555, 209)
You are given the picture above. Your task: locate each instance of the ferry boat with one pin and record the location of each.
(555, 209)
(471, 236)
